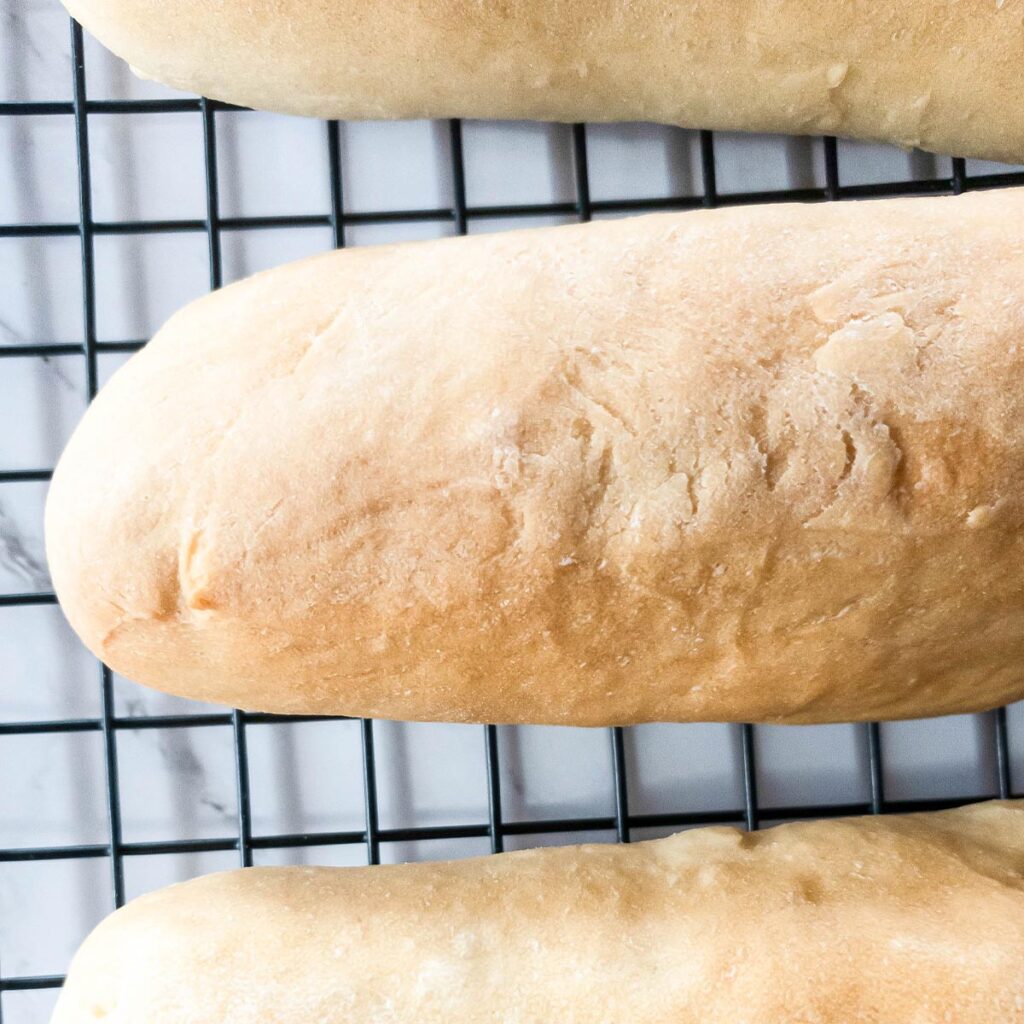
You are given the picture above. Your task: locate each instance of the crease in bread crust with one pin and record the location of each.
(763, 464)
(850, 921)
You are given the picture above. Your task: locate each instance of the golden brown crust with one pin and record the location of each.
(861, 921)
(763, 464)
(939, 74)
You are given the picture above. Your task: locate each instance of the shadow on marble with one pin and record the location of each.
(691, 767)
(430, 774)
(306, 777)
(47, 673)
(46, 909)
(658, 161)
(549, 772)
(35, 51)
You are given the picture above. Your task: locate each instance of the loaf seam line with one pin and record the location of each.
(691, 493)
(897, 486)
(851, 455)
(318, 335)
(598, 490)
(187, 593)
(605, 407)
(836, 77)
(760, 575)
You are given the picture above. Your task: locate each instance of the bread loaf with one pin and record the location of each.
(941, 74)
(759, 464)
(862, 921)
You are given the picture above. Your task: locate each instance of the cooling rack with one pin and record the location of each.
(506, 817)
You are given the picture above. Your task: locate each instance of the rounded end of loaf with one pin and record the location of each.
(728, 465)
(97, 557)
(873, 918)
(139, 965)
(124, 538)
(106, 530)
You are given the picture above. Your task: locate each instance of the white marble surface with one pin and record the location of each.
(180, 783)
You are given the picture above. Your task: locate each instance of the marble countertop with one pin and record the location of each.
(179, 783)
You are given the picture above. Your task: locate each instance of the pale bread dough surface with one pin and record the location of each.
(761, 464)
(945, 75)
(902, 920)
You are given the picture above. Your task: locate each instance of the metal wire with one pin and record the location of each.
(85, 226)
(460, 215)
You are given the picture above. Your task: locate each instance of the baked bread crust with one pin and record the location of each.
(859, 921)
(942, 75)
(761, 464)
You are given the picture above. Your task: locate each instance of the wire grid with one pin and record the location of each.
(495, 828)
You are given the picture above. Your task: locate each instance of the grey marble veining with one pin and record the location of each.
(19, 558)
(22, 560)
(35, 57)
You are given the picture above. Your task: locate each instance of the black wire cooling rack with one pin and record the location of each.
(372, 835)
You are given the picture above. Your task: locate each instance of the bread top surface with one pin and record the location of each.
(858, 921)
(758, 464)
(941, 74)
